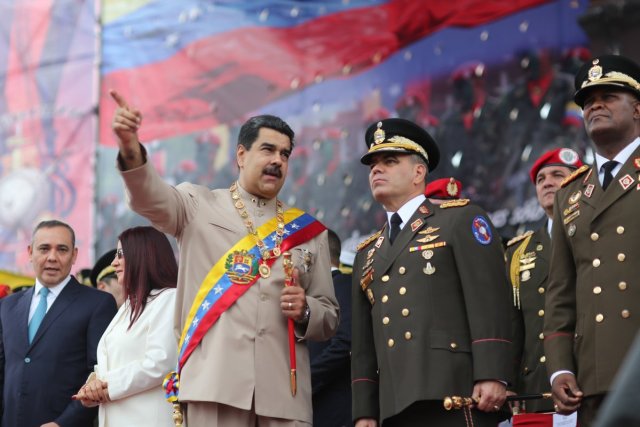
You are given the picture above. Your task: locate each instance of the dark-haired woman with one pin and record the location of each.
(139, 347)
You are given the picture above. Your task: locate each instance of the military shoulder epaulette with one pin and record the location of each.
(368, 240)
(454, 203)
(519, 238)
(582, 169)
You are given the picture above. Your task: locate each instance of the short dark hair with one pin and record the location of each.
(418, 159)
(335, 247)
(150, 264)
(250, 129)
(53, 223)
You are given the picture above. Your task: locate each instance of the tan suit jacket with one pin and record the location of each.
(593, 296)
(246, 352)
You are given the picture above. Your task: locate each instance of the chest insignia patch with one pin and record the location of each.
(571, 231)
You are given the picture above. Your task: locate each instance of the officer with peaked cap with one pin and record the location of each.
(528, 257)
(103, 276)
(430, 298)
(593, 301)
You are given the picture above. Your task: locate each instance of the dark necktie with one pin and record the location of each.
(395, 227)
(608, 177)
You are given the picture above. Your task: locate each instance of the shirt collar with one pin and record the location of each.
(55, 290)
(407, 210)
(621, 157)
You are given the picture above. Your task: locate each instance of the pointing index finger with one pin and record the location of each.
(119, 99)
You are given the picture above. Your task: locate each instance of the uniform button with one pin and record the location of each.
(27, 360)
(625, 314)
(391, 342)
(594, 236)
(385, 298)
(596, 262)
(526, 369)
(540, 313)
(385, 320)
(543, 359)
(620, 229)
(541, 290)
(621, 257)
(402, 290)
(405, 312)
(622, 286)
(541, 336)
(402, 270)
(407, 335)
(385, 278)
(597, 290)
(453, 345)
(599, 318)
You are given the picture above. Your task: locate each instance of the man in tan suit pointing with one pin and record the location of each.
(232, 307)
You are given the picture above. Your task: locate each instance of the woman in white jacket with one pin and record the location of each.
(138, 347)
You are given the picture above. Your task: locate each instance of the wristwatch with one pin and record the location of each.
(306, 315)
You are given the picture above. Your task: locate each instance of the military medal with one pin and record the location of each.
(264, 270)
(428, 254)
(526, 275)
(571, 230)
(429, 269)
(575, 197)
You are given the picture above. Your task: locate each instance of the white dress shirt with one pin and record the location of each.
(54, 291)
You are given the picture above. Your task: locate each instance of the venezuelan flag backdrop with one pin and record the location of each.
(491, 79)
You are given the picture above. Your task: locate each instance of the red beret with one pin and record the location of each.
(559, 157)
(443, 188)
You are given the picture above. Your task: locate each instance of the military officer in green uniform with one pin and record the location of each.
(528, 257)
(593, 296)
(430, 297)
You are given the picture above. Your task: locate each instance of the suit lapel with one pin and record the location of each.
(629, 175)
(66, 297)
(21, 312)
(408, 232)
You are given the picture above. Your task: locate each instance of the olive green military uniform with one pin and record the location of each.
(593, 297)
(430, 313)
(528, 258)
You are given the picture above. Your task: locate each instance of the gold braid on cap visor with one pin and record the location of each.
(400, 143)
(613, 77)
(105, 272)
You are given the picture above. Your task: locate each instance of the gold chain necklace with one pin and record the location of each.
(265, 253)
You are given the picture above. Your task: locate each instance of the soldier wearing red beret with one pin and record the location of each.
(528, 258)
(442, 189)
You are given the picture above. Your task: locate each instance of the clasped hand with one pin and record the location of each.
(93, 393)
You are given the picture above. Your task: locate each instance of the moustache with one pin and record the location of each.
(273, 170)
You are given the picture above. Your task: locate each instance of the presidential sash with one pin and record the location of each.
(230, 278)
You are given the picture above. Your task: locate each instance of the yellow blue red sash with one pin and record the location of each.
(230, 278)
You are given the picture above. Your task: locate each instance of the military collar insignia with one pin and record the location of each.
(626, 181)
(636, 162)
(416, 224)
(379, 242)
(423, 210)
(589, 190)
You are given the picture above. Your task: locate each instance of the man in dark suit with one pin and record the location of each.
(528, 257)
(593, 301)
(430, 298)
(49, 335)
(330, 360)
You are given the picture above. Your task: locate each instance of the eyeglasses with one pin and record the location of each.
(119, 254)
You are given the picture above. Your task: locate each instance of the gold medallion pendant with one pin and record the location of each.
(264, 271)
(276, 252)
